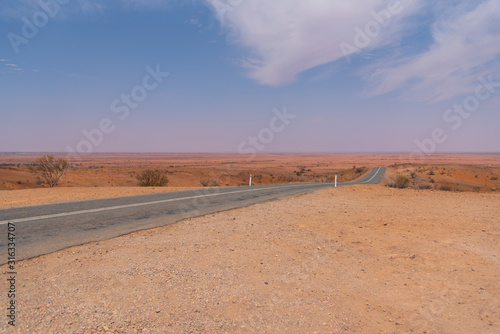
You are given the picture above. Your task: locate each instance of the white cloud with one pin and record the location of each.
(12, 65)
(287, 37)
(466, 45)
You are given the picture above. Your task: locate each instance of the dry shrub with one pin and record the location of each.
(152, 178)
(49, 168)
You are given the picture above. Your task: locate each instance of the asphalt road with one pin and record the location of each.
(47, 228)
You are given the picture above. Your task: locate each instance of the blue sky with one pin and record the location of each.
(355, 79)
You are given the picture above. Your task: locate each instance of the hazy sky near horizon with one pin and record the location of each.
(269, 75)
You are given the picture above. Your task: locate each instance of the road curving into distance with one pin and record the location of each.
(47, 228)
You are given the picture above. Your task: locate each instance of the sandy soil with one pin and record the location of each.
(24, 197)
(447, 177)
(111, 175)
(361, 259)
(187, 170)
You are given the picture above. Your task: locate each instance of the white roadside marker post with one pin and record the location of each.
(250, 183)
(335, 181)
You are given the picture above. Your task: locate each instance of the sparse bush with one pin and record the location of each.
(431, 172)
(152, 178)
(425, 186)
(445, 188)
(208, 183)
(49, 168)
(413, 175)
(494, 178)
(402, 182)
(359, 170)
(431, 180)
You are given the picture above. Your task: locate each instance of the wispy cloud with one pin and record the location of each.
(466, 45)
(194, 22)
(287, 37)
(10, 68)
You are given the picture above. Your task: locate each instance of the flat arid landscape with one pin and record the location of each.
(356, 259)
(250, 166)
(110, 175)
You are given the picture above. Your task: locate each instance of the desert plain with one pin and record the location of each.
(110, 175)
(356, 259)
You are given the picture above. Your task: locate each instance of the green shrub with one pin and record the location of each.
(152, 178)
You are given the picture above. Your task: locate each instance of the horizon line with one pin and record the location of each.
(259, 153)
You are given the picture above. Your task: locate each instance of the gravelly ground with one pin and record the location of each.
(361, 259)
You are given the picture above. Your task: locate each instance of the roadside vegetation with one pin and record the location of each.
(152, 178)
(452, 178)
(49, 168)
(208, 183)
